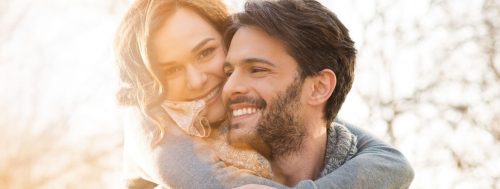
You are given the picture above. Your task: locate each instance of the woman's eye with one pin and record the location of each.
(170, 72)
(205, 53)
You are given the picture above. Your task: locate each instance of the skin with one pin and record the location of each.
(187, 53)
(259, 67)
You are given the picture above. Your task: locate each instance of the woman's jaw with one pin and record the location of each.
(215, 110)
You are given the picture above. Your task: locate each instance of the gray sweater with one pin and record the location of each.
(180, 161)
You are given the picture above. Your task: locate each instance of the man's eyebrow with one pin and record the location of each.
(258, 60)
(201, 44)
(226, 65)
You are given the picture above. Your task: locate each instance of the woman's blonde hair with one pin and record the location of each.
(140, 85)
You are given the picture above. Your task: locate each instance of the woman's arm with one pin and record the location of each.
(174, 163)
(180, 162)
(376, 165)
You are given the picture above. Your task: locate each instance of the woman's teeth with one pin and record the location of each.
(244, 111)
(211, 95)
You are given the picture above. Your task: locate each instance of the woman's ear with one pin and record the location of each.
(322, 87)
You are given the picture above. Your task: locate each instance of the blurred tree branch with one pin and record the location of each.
(463, 63)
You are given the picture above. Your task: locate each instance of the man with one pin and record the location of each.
(290, 65)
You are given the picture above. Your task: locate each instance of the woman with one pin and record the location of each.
(170, 56)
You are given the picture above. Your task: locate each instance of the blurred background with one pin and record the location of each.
(427, 81)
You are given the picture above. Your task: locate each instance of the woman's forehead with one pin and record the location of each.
(180, 34)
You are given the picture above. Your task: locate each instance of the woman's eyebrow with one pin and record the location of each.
(201, 44)
(196, 48)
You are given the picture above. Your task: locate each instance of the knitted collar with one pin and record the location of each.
(340, 147)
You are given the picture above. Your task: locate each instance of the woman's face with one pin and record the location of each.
(187, 54)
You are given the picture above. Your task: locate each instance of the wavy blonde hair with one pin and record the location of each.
(140, 86)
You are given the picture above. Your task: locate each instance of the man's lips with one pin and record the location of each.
(243, 106)
(243, 109)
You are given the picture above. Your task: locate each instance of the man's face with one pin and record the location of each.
(263, 94)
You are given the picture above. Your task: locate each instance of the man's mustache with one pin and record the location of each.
(259, 102)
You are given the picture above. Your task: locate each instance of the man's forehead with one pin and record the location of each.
(251, 44)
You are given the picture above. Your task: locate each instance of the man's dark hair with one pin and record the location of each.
(311, 34)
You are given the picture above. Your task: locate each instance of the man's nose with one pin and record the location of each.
(235, 85)
(196, 78)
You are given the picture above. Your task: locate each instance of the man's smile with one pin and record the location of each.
(242, 111)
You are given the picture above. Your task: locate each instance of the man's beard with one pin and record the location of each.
(280, 128)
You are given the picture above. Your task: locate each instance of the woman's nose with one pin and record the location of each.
(196, 78)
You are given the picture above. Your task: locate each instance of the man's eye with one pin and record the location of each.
(257, 70)
(228, 72)
(205, 53)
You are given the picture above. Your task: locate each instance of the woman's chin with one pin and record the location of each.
(216, 116)
(216, 112)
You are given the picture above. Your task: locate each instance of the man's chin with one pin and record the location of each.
(234, 138)
(239, 138)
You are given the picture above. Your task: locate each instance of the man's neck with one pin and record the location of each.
(304, 164)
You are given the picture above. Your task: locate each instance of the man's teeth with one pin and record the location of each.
(244, 111)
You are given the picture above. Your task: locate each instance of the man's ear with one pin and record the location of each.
(322, 86)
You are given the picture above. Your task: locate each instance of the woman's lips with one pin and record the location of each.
(212, 95)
